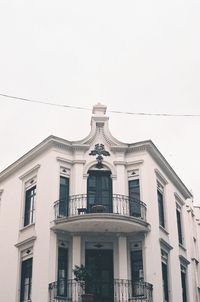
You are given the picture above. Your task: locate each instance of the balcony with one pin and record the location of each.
(118, 291)
(120, 214)
(121, 205)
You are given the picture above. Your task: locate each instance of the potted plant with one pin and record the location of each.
(82, 275)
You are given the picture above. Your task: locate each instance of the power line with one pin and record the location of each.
(42, 102)
(86, 108)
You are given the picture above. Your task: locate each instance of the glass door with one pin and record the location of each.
(100, 265)
(99, 191)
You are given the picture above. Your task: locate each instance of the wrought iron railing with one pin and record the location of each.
(65, 291)
(119, 204)
(122, 291)
(128, 291)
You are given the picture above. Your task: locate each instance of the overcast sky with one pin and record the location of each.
(139, 56)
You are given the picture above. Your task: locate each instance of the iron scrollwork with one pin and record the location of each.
(99, 151)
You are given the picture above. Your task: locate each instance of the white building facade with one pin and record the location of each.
(119, 209)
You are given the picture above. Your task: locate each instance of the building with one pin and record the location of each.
(119, 209)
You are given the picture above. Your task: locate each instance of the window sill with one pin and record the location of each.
(31, 225)
(182, 247)
(163, 230)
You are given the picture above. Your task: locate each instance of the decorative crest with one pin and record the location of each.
(99, 150)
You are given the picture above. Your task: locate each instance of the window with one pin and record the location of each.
(26, 280)
(134, 196)
(63, 196)
(179, 224)
(99, 191)
(62, 271)
(137, 270)
(164, 263)
(29, 205)
(160, 194)
(183, 283)
(136, 265)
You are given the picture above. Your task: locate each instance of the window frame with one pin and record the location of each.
(183, 272)
(165, 265)
(161, 206)
(26, 273)
(28, 180)
(62, 244)
(134, 202)
(137, 291)
(179, 222)
(26, 254)
(32, 199)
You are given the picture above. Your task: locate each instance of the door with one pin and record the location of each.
(100, 265)
(99, 191)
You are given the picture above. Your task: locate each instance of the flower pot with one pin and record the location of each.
(87, 298)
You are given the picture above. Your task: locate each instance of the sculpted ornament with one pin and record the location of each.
(99, 151)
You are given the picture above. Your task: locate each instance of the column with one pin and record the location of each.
(76, 260)
(122, 287)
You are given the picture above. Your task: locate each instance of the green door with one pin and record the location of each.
(99, 191)
(100, 264)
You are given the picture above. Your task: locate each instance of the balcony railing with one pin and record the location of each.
(119, 204)
(122, 291)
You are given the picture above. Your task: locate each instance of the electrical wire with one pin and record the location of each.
(85, 108)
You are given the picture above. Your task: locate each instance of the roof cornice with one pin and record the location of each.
(149, 146)
(49, 142)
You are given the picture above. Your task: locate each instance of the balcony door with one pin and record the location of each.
(100, 265)
(99, 191)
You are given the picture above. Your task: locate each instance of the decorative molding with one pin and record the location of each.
(121, 149)
(162, 162)
(69, 161)
(119, 163)
(116, 146)
(65, 171)
(29, 172)
(79, 161)
(160, 177)
(165, 245)
(106, 164)
(134, 163)
(179, 200)
(64, 160)
(80, 147)
(25, 242)
(63, 243)
(133, 173)
(184, 261)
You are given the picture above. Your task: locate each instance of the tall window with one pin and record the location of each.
(29, 205)
(26, 280)
(63, 196)
(136, 265)
(160, 194)
(164, 264)
(179, 224)
(99, 191)
(183, 283)
(62, 271)
(134, 196)
(137, 271)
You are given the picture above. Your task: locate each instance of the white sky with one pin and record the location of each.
(130, 55)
